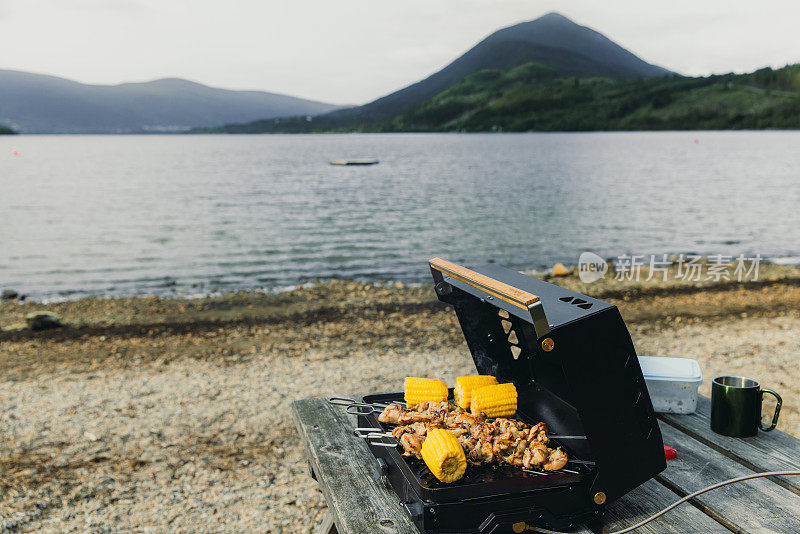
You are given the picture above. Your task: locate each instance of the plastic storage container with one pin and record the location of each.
(672, 383)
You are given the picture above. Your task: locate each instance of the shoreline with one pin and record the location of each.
(175, 414)
(92, 310)
(770, 269)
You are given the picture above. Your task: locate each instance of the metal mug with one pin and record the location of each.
(736, 406)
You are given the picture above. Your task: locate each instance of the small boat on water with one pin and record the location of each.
(355, 161)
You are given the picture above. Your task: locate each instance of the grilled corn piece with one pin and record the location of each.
(444, 455)
(424, 389)
(465, 385)
(495, 401)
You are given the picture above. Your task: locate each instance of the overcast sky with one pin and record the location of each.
(352, 51)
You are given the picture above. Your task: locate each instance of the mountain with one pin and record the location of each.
(534, 97)
(35, 103)
(554, 40)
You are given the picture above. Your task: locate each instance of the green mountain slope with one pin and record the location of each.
(567, 47)
(552, 39)
(537, 97)
(4, 130)
(534, 97)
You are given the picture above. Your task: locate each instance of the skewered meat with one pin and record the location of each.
(425, 411)
(534, 455)
(433, 406)
(420, 429)
(391, 414)
(502, 440)
(556, 460)
(412, 444)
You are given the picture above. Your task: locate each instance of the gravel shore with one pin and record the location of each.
(157, 415)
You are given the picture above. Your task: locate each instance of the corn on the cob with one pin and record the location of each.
(465, 385)
(444, 455)
(424, 389)
(495, 401)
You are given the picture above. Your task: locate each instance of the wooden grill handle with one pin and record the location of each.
(510, 294)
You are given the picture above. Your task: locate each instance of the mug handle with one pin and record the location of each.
(777, 410)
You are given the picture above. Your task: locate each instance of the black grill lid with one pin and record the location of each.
(572, 360)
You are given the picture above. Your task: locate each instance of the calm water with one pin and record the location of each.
(119, 215)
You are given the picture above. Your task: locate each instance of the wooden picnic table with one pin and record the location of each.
(343, 465)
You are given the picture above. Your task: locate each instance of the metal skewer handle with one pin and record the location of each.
(545, 473)
(360, 408)
(377, 440)
(582, 462)
(364, 432)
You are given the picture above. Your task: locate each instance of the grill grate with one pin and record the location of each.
(483, 476)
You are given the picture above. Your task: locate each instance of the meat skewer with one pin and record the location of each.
(502, 440)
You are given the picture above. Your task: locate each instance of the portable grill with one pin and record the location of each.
(575, 368)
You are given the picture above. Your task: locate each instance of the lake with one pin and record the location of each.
(167, 215)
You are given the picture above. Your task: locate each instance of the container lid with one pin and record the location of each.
(671, 369)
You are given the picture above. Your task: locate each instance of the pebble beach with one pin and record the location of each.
(152, 414)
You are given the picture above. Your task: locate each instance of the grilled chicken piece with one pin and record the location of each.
(433, 406)
(434, 412)
(463, 418)
(398, 431)
(538, 455)
(483, 431)
(538, 433)
(486, 453)
(414, 417)
(412, 444)
(515, 453)
(457, 431)
(425, 411)
(482, 453)
(509, 425)
(391, 414)
(421, 428)
(477, 451)
(556, 460)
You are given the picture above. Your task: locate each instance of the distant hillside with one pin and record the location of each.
(35, 103)
(533, 97)
(6, 131)
(536, 97)
(567, 48)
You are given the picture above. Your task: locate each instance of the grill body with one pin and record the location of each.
(488, 499)
(574, 365)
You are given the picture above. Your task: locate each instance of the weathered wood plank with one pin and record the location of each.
(343, 466)
(648, 499)
(327, 526)
(768, 451)
(751, 506)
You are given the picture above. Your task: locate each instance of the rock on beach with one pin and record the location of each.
(43, 320)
